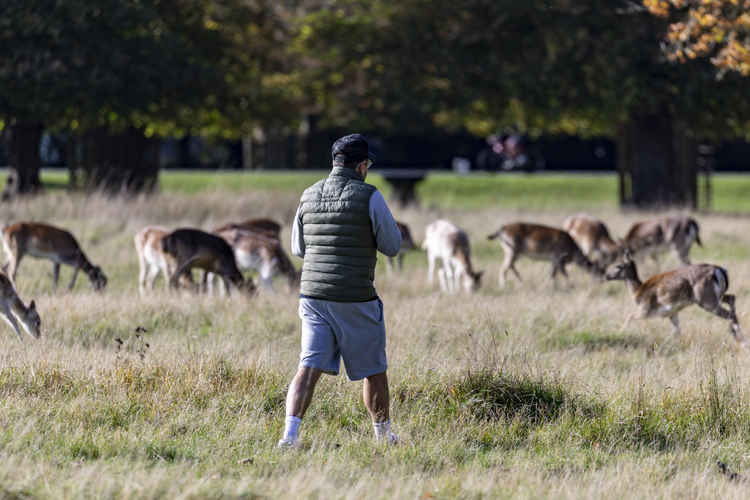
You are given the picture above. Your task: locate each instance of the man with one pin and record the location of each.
(340, 225)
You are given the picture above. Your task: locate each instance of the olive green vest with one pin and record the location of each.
(340, 249)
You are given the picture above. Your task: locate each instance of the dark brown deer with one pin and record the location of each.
(193, 248)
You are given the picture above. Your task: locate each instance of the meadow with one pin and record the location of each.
(521, 392)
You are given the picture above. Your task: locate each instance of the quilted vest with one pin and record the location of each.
(340, 249)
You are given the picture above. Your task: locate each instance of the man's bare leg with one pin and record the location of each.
(376, 397)
(298, 398)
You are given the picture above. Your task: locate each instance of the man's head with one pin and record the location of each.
(352, 151)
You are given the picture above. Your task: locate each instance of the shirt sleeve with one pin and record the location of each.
(298, 240)
(387, 234)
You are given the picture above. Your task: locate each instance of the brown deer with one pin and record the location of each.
(652, 237)
(407, 243)
(445, 241)
(540, 243)
(14, 311)
(592, 237)
(152, 260)
(268, 227)
(195, 248)
(666, 294)
(258, 251)
(48, 242)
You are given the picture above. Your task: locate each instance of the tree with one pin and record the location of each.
(717, 29)
(584, 67)
(117, 74)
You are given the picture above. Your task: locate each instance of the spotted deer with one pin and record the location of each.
(666, 294)
(407, 243)
(193, 248)
(258, 251)
(152, 260)
(48, 242)
(445, 241)
(593, 238)
(540, 242)
(14, 311)
(655, 236)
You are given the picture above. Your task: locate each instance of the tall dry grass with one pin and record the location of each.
(520, 392)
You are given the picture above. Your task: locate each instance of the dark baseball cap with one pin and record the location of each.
(351, 149)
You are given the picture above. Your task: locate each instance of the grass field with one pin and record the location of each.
(522, 392)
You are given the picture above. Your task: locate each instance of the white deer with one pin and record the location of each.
(445, 241)
(14, 311)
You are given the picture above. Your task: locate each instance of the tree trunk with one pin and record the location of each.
(656, 163)
(23, 155)
(124, 162)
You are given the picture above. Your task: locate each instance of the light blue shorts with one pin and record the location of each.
(354, 331)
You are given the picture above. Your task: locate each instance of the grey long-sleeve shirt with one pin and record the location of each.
(387, 235)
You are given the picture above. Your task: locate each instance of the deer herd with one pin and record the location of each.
(255, 244)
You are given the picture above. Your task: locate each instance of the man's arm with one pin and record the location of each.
(387, 235)
(298, 240)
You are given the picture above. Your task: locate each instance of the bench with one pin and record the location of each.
(403, 182)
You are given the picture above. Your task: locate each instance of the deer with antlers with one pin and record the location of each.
(445, 241)
(666, 294)
(540, 243)
(48, 242)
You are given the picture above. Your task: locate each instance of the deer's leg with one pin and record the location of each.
(683, 253)
(76, 267)
(728, 314)
(227, 287)
(55, 275)
(181, 269)
(150, 275)
(508, 264)
(400, 261)
(734, 327)
(389, 265)
(430, 267)
(675, 325)
(629, 317)
(442, 279)
(14, 260)
(8, 316)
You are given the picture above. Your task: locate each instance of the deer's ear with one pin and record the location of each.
(628, 255)
(32, 305)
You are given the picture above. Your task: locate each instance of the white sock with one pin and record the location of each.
(381, 429)
(291, 427)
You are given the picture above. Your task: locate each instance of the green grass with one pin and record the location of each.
(542, 191)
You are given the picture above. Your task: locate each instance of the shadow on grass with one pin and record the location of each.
(593, 341)
(492, 396)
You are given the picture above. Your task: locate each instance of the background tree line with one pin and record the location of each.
(658, 76)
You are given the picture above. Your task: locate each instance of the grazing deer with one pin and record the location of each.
(540, 243)
(258, 251)
(14, 311)
(407, 243)
(152, 259)
(195, 248)
(651, 237)
(48, 242)
(592, 237)
(265, 226)
(446, 241)
(666, 294)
